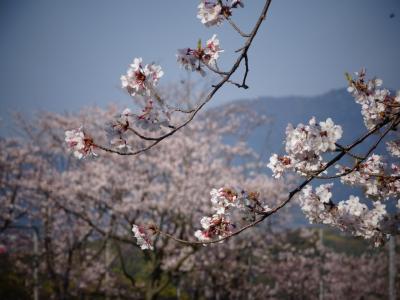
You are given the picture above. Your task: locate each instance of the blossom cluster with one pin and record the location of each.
(143, 237)
(192, 59)
(376, 103)
(140, 79)
(304, 146)
(118, 127)
(371, 175)
(214, 12)
(379, 180)
(394, 148)
(79, 142)
(349, 215)
(224, 200)
(151, 118)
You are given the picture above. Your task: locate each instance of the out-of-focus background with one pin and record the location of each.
(65, 224)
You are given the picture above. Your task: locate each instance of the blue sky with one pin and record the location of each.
(62, 55)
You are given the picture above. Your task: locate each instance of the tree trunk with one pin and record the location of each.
(392, 268)
(35, 266)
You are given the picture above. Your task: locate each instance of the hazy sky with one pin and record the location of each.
(62, 55)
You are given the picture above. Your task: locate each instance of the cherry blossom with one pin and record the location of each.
(142, 236)
(153, 116)
(225, 201)
(372, 176)
(210, 13)
(141, 80)
(304, 146)
(188, 60)
(222, 199)
(394, 147)
(192, 59)
(214, 12)
(217, 226)
(376, 103)
(117, 130)
(80, 143)
(278, 164)
(212, 51)
(349, 215)
(313, 203)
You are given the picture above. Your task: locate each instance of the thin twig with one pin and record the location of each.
(246, 72)
(348, 152)
(215, 70)
(237, 28)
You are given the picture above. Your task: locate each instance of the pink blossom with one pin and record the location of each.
(141, 79)
(80, 143)
(142, 236)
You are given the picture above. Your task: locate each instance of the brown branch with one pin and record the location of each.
(225, 79)
(185, 111)
(300, 187)
(340, 148)
(94, 226)
(246, 72)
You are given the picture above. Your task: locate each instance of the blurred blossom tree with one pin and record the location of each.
(83, 211)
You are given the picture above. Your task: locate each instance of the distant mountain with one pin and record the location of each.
(336, 104)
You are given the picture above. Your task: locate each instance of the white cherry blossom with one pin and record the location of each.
(210, 13)
(349, 215)
(192, 59)
(374, 177)
(376, 103)
(79, 143)
(212, 51)
(304, 146)
(142, 236)
(213, 12)
(394, 148)
(141, 79)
